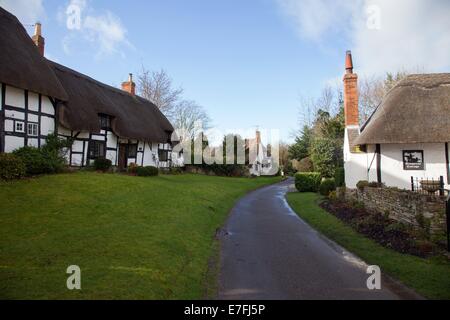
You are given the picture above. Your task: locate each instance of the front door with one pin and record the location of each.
(122, 157)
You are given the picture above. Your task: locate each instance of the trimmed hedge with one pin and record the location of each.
(147, 171)
(327, 186)
(102, 164)
(339, 177)
(11, 167)
(307, 181)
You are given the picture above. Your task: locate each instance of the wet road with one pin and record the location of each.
(268, 252)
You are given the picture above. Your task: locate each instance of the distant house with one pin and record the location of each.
(39, 97)
(260, 161)
(406, 137)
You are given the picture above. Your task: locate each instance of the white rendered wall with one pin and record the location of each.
(356, 165)
(392, 172)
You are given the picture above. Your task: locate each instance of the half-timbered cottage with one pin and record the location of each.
(39, 97)
(407, 137)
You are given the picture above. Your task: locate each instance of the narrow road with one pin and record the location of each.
(268, 252)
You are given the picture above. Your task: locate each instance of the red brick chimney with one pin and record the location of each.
(350, 93)
(129, 86)
(38, 40)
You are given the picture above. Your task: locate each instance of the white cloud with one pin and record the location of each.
(27, 11)
(104, 32)
(413, 34)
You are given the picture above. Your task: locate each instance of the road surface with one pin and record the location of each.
(268, 252)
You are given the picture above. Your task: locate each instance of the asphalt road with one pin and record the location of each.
(268, 252)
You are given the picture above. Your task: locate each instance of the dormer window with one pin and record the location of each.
(105, 121)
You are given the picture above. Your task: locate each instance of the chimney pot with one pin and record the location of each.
(38, 29)
(348, 62)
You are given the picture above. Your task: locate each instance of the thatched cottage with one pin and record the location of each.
(407, 137)
(39, 97)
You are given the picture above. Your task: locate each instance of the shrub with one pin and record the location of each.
(305, 165)
(362, 184)
(147, 171)
(102, 164)
(339, 177)
(11, 167)
(375, 185)
(33, 159)
(132, 167)
(307, 181)
(333, 196)
(327, 186)
(48, 159)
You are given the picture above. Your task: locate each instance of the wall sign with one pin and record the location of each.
(413, 160)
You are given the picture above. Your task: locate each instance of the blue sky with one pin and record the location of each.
(245, 62)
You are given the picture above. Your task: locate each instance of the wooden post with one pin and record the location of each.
(412, 183)
(441, 186)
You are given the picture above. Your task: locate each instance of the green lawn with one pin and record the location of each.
(133, 238)
(429, 277)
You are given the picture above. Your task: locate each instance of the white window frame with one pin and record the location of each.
(34, 132)
(16, 129)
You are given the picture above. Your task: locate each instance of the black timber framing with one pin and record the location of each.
(447, 163)
(378, 153)
(2, 120)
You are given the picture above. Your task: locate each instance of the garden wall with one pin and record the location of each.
(420, 210)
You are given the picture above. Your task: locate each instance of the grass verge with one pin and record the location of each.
(132, 237)
(429, 277)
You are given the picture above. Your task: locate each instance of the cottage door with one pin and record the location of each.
(122, 157)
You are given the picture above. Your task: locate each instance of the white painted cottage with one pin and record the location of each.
(39, 97)
(406, 137)
(260, 160)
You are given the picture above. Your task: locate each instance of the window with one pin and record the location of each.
(96, 149)
(132, 151)
(163, 155)
(105, 122)
(19, 127)
(32, 129)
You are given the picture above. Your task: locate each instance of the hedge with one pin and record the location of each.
(147, 171)
(102, 164)
(307, 181)
(327, 186)
(11, 167)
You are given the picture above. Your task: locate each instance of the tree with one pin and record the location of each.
(157, 87)
(190, 118)
(300, 149)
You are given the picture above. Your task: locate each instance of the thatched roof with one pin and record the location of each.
(132, 117)
(21, 64)
(416, 110)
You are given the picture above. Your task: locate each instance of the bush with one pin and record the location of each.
(339, 177)
(102, 164)
(11, 167)
(307, 181)
(147, 171)
(305, 165)
(33, 159)
(132, 167)
(362, 184)
(48, 159)
(327, 186)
